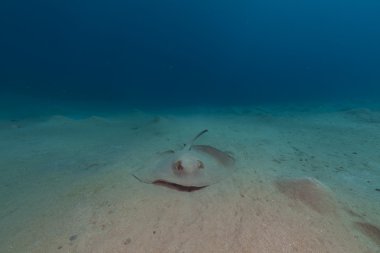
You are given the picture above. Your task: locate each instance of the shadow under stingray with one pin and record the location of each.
(178, 187)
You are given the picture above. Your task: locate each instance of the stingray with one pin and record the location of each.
(191, 168)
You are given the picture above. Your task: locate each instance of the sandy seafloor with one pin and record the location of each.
(307, 179)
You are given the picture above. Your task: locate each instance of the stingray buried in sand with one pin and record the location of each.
(192, 168)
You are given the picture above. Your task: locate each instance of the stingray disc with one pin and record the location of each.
(197, 166)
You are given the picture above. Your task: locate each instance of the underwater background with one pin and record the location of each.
(170, 53)
(101, 103)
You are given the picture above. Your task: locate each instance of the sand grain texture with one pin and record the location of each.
(67, 185)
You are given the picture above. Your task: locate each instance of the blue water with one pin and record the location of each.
(190, 52)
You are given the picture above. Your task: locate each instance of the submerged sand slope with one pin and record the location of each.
(67, 185)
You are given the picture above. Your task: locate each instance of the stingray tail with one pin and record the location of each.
(195, 138)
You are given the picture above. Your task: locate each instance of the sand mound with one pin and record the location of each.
(309, 191)
(372, 231)
(363, 115)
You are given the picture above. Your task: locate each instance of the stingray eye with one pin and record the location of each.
(178, 166)
(200, 164)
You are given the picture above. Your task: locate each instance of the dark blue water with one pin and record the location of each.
(190, 52)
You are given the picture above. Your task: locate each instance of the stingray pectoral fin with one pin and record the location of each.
(149, 172)
(224, 158)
